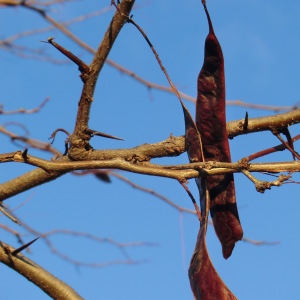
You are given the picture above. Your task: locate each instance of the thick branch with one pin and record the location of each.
(27, 181)
(51, 285)
(180, 172)
(170, 147)
(274, 123)
(117, 163)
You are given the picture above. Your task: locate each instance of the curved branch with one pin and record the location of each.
(51, 285)
(27, 181)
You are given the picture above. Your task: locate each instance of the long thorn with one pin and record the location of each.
(92, 132)
(16, 251)
(82, 66)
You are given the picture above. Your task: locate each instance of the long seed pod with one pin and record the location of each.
(205, 282)
(211, 124)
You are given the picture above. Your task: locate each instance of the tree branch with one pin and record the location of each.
(51, 285)
(129, 158)
(27, 181)
(79, 141)
(275, 124)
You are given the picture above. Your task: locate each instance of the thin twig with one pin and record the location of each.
(23, 110)
(4, 210)
(288, 146)
(270, 150)
(193, 200)
(150, 191)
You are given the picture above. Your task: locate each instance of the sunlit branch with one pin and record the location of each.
(51, 285)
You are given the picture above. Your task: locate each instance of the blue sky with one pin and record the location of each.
(260, 41)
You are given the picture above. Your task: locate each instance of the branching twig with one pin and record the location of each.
(29, 141)
(46, 238)
(261, 186)
(23, 110)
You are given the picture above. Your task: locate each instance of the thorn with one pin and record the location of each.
(16, 251)
(246, 120)
(24, 154)
(287, 134)
(82, 66)
(92, 132)
(50, 39)
(66, 147)
(103, 177)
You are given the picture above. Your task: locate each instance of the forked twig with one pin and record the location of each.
(261, 185)
(23, 110)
